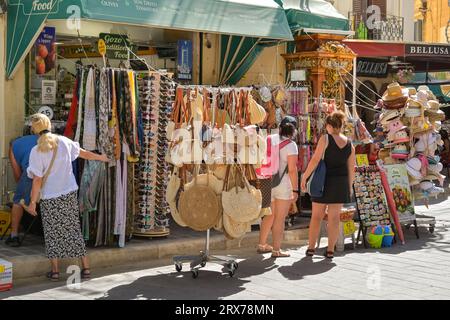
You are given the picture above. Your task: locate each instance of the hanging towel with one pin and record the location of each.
(72, 120)
(91, 183)
(121, 198)
(90, 125)
(105, 141)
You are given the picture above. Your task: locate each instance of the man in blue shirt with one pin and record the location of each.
(19, 155)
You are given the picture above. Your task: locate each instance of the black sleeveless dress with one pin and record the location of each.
(336, 183)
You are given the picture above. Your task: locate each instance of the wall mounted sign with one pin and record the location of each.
(430, 50)
(48, 92)
(117, 46)
(372, 68)
(46, 51)
(185, 60)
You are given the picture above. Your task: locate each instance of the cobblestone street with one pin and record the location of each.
(417, 270)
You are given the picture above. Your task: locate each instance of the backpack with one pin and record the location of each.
(272, 164)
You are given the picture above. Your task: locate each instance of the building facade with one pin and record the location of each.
(432, 19)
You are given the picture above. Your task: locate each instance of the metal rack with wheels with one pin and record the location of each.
(199, 261)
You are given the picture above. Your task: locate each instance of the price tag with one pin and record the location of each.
(349, 228)
(362, 160)
(2, 269)
(47, 111)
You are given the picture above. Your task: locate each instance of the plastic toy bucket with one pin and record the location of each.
(388, 239)
(375, 241)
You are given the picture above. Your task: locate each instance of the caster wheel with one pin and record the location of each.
(203, 264)
(431, 229)
(235, 265)
(231, 273)
(195, 274)
(179, 267)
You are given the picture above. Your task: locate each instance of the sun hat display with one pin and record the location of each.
(400, 151)
(414, 166)
(437, 168)
(395, 104)
(424, 141)
(383, 154)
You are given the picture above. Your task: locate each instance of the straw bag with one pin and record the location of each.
(241, 204)
(199, 207)
(207, 179)
(233, 229)
(257, 113)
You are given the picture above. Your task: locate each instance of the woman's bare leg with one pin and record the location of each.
(318, 214)
(334, 217)
(280, 213)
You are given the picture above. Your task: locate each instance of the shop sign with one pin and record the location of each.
(48, 92)
(427, 50)
(372, 68)
(46, 110)
(401, 190)
(117, 46)
(185, 60)
(46, 51)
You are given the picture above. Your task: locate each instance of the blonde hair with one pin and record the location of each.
(41, 125)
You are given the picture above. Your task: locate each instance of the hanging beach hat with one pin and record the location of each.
(420, 125)
(437, 168)
(430, 94)
(412, 91)
(395, 96)
(390, 115)
(413, 166)
(383, 154)
(431, 175)
(401, 137)
(414, 109)
(265, 94)
(394, 126)
(400, 152)
(434, 112)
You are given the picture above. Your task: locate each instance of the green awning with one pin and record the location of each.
(249, 18)
(313, 14)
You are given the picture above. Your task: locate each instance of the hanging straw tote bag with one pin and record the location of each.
(199, 206)
(173, 188)
(241, 204)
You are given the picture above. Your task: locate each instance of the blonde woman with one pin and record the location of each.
(54, 183)
(340, 162)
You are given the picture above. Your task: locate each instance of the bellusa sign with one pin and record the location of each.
(427, 50)
(372, 68)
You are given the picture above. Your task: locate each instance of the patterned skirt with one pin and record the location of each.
(62, 229)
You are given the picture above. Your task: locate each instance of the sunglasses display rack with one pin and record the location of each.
(156, 98)
(371, 200)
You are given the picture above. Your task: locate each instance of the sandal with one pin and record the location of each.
(329, 255)
(85, 273)
(310, 252)
(264, 249)
(53, 276)
(279, 254)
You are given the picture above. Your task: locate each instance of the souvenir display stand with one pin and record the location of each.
(214, 146)
(371, 200)
(411, 119)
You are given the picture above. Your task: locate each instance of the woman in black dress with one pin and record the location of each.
(340, 163)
